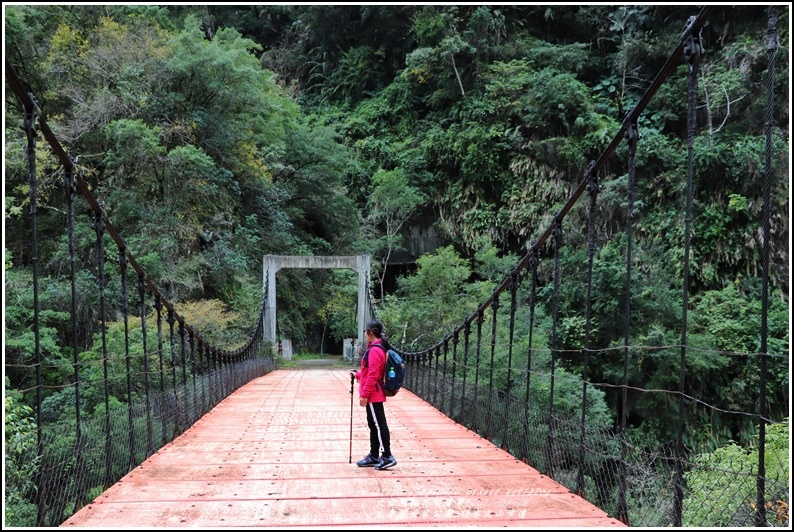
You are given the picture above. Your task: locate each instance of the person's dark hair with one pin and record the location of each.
(377, 329)
(384, 341)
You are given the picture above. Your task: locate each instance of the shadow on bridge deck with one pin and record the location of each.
(276, 453)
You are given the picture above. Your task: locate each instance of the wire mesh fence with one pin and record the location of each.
(77, 462)
(620, 475)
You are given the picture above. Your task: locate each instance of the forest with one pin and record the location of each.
(217, 134)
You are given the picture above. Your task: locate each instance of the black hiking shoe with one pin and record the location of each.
(386, 463)
(368, 461)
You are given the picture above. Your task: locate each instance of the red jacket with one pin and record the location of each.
(370, 376)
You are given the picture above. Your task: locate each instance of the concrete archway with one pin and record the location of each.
(357, 263)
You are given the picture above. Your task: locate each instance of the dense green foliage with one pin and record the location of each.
(20, 461)
(216, 134)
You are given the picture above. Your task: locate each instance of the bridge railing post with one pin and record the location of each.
(123, 262)
(145, 368)
(508, 399)
(462, 414)
(453, 403)
(557, 232)
(533, 265)
(593, 187)
(158, 307)
(478, 351)
(692, 55)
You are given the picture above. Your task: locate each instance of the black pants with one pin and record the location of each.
(378, 430)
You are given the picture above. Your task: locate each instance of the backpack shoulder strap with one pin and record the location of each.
(365, 357)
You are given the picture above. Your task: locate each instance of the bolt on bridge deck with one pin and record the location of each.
(277, 453)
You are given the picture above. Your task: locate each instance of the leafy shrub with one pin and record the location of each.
(21, 462)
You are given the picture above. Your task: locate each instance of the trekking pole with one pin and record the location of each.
(352, 378)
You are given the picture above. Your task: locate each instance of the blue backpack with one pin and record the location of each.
(394, 375)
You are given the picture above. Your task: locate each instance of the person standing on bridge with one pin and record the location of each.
(371, 396)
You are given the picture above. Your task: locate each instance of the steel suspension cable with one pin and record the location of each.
(692, 56)
(760, 517)
(158, 307)
(558, 233)
(444, 376)
(30, 125)
(489, 412)
(170, 319)
(145, 366)
(125, 319)
(533, 265)
(480, 320)
(455, 340)
(632, 137)
(99, 228)
(513, 289)
(69, 187)
(466, 338)
(193, 368)
(435, 359)
(183, 362)
(593, 187)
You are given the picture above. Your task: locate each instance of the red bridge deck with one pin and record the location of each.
(276, 453)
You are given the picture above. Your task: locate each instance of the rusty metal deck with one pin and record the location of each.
(276, 453)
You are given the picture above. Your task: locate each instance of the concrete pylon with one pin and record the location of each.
(273, 263)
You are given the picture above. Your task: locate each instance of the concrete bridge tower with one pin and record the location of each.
(273, 263)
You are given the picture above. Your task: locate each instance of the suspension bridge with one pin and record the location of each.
(212, 438)
(276, 453)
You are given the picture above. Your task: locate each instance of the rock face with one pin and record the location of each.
(419, 238)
